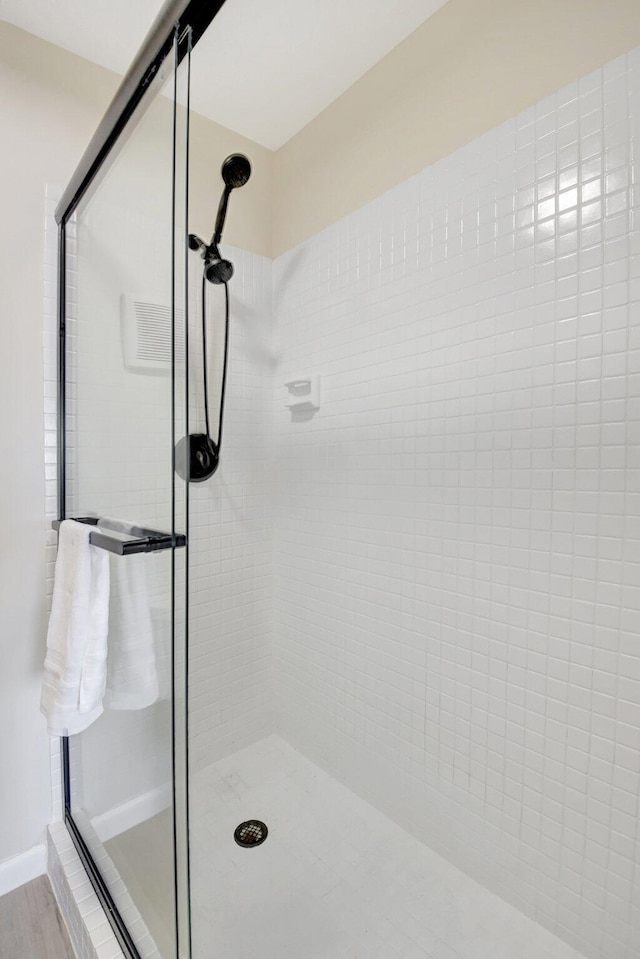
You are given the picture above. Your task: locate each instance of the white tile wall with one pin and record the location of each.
(50, 370)
(231, 537)
(49, 345)
(457, 564)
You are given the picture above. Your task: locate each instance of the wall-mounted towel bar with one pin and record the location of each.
(144, 540)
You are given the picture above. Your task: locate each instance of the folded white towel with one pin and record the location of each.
(132, 675)
(75, 664)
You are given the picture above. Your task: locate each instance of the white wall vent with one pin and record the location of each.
(146, 334)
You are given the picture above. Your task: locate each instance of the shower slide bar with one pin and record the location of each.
(145, 541)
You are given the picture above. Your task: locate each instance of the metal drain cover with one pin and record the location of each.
(251, 833)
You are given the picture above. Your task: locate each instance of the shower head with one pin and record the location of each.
(218, 270)
(236, 170)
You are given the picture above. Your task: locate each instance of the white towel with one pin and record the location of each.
(75, 664)
(132, 676)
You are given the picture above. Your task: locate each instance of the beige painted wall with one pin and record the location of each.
(472, 65)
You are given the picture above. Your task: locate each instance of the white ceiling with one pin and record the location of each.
(265, 68)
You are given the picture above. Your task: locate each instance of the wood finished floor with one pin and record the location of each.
(31, 926)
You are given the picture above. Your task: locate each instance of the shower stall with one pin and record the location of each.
(374, 674)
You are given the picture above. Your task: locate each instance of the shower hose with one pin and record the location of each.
(217, 446)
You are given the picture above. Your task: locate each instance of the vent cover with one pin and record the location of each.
(146, 334)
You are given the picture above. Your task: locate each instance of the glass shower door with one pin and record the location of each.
(126, 406)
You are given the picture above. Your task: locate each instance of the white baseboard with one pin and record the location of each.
(132, 813)
(23, 868)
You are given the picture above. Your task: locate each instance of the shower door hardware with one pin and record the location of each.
(193, 18)
(145, 541)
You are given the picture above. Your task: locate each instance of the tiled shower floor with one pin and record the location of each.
(335, 878)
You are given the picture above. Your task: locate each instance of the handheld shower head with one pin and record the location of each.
(236, 170)
(218, 270)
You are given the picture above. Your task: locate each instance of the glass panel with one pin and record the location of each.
(126, 368)
(414, 592)
(234, 891)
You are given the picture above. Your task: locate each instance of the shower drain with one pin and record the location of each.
(251, 833)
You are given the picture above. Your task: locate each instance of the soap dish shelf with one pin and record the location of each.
(303, 393)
